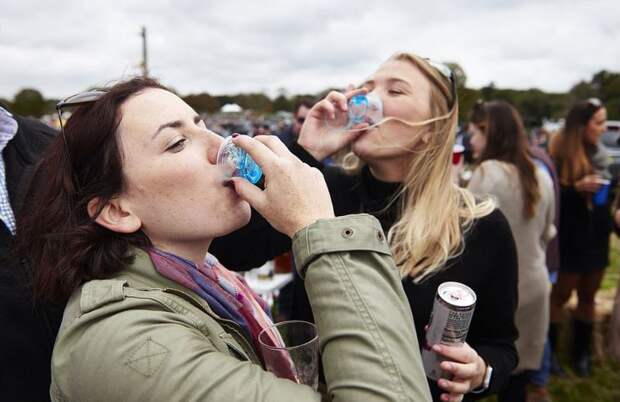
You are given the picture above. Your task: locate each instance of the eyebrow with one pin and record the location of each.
(173, 124)
(389, 80)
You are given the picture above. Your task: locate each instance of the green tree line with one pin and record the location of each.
(534, 104)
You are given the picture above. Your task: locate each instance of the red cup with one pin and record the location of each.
(457, 153)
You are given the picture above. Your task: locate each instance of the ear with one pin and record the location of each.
(115, 215)
(426, 136)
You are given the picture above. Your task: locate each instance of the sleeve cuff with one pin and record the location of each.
(304, 156)
(360, 232)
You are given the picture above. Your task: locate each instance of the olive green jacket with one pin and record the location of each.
(142, 337)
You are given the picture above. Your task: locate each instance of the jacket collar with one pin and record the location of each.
(141, 274)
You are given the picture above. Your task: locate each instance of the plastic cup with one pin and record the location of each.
(234, 161)
(291, 350)
(362, 109)
(600, 197)
(457, 153)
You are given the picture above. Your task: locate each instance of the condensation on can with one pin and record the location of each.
(452, 312)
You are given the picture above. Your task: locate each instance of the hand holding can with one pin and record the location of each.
(449, 323)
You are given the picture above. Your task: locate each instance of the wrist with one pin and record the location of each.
(316, 154)
(482, 369)
(486, 379)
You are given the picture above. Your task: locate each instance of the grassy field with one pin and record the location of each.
(604, 385)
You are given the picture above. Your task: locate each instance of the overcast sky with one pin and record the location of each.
(224, 47)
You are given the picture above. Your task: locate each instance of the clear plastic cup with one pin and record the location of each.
(291, 350)
(366, 108)
(235, 162)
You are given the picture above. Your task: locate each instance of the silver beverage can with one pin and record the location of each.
(452, 312)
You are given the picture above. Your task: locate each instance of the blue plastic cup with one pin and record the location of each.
(234, 161)
(600, 197)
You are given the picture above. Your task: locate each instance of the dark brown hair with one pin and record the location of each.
(64, 244)
(507, 142)
(568, 147)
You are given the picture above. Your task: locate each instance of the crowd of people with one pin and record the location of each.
(122, 221)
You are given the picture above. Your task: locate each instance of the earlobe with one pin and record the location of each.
(114, 215)
(426, 138)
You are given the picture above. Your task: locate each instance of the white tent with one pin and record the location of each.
(231, 108)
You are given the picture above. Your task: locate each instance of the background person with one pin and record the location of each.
(28, 330)
(300, 111)
(524, 193)
(581, 162)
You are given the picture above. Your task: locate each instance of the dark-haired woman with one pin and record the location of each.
(524, 193)
(582, 164)
(129, 200)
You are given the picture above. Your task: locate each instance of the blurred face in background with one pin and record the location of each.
(596, 126)
(300, 117)
(478, 140)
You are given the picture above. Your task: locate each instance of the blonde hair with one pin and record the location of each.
(435, 213)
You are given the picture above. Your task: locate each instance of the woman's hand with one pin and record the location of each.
(589, 183)
(467, 368)
(316, 137)
(295, 194)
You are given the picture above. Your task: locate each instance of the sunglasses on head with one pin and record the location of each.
(79, 99)
(596, 102)
(447, 73)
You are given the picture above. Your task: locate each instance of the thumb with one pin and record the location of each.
(249, 192)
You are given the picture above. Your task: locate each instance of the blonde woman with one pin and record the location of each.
(400, 172)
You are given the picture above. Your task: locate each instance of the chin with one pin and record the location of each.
(363, 149)
(241, 216)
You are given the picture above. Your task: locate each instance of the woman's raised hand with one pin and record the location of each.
(295, 194)
(316, 137)
(589, 183)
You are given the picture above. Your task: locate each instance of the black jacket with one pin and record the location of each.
(27, 330)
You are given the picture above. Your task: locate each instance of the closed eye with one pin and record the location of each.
(177, 146)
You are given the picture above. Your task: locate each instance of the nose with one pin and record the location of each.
(214, 141)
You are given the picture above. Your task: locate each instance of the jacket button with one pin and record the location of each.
(379, 235)
(347, 233)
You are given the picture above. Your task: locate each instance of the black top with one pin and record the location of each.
(488, 265)
(584, 232)
(585, 227)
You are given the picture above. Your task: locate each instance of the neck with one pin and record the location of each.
(194, 251)
(390, 171)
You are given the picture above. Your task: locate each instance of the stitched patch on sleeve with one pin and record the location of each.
(148, 357)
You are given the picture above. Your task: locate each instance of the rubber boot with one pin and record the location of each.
(582, 339)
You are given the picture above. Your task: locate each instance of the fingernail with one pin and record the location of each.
(437, 348)
(235, 135)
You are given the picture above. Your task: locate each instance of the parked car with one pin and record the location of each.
(611, 140)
